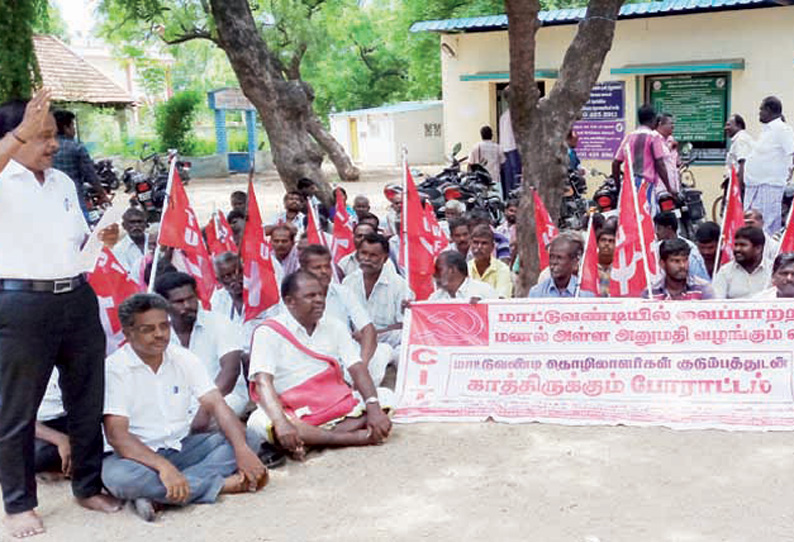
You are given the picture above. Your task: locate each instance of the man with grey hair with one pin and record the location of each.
(453, 210)
(565, 252)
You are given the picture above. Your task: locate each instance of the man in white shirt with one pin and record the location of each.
(48, 314)
(380, 289)
(453, 282)
(768, 167)
(342, 305)
(488, 154)
(296, 365)
(292, 215)
(150, 384)
(282, 239)
(741, 147)
(349, 263)
(210, 337)
(747, 274)
(753, 218)
(131, 250)
(782, 279)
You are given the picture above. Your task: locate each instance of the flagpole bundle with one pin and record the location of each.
(584, 256)
(157, 250)
(644, 248)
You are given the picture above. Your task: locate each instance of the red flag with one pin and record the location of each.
(342, 243)
(419, 242)
(644, 198)
(734, 219)
(180, 229)
(545, 230)
(589, 279)
(629, 277)
(219, 235)
(260, 287)
(112, 285)
(313, 234)
(440, 241)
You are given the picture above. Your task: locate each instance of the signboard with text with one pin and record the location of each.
(710, 364)
(603, 124)
(699, 104)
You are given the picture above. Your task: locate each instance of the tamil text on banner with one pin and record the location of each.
(713, 364)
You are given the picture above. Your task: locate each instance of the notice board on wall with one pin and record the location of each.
(603, 123)
(698, 102)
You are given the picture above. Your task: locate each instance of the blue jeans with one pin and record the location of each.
(205, 460)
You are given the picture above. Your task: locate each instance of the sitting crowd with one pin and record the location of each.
(200, 403)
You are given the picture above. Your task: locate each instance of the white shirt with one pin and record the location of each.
(742, 145)
(771, 159)
(157, 405)
(272, 354)
(732, 281)
(41, 225)
(212, 338)
(51, 406)
(297, 222)
(769, 293)
(349, 264)
(129, 255)
(342, 305)
(771, 246)
(489, 155)
(223, 304)
(384, 304)
(468, 289)
(506, 138)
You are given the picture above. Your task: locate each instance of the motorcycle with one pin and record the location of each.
(107, 175)
(688, 208)
(574, 207)
(605, 197)
(150, 189)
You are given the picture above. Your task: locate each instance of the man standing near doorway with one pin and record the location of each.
(768, 167)
(511, 169)
(489, 155)
(741, 147)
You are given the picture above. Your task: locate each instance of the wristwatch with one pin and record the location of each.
(371, 400)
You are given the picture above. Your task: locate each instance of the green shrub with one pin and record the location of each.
(174, 122)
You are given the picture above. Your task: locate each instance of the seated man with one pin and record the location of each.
(209, 336)
(453, 282)
(782, 279)
(295, 364)
(361, 206)
(484, 267)
(754, 218)
(282, 238)
(379, 289)
(293, 214)
(666, 226)
(564, 255)
(342, 305)
(605, 238)
(453, 210)
(150, 383)
(131, 250)
(239, 201)
(52, 450)
(707, 238)
(676, 282)
(460, 236)
(349, 263)
(748, 273)
(236, 220)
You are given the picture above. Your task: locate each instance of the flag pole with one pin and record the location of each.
(403, 218)
(718, 254)
(584, 255)
(166, 203)
(630, 165)
(785, 226)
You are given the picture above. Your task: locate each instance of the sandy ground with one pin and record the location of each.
(460, 482)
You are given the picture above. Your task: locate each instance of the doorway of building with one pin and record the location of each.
(501, 101)
(353, 130)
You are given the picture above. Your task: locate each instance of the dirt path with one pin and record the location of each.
(461, 482)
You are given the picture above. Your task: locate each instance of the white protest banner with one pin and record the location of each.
(705, 364)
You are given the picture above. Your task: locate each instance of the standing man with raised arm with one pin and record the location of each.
(48, 316)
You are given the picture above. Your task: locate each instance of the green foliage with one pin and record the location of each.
(18, 67)
(174, 121)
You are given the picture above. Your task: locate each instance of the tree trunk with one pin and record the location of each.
(285, 106)
(540, 125)
(344, 166)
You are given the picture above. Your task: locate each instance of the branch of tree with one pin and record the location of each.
(192, 34)
(294, 68)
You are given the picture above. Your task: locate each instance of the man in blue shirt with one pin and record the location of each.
(73, 159)
(565, 251)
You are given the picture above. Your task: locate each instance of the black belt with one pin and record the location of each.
(59, 286)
